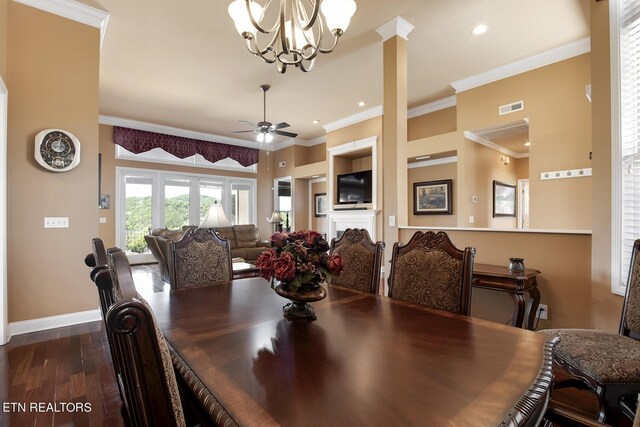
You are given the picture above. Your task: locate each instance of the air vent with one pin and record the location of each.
(511, 108)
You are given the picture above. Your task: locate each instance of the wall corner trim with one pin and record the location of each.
(51, 322)
(431, 107)
(75, 11)
(395, 27)
(561, 53)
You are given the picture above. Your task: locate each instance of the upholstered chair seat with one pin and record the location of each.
(431, 271)
(605, 363)
(607, 357)
(361, 257)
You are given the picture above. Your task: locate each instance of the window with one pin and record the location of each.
(626, 101)
(148, 199)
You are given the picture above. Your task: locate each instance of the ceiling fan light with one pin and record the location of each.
(338, 13)
(268, 138)
(260, 137)
(238, 12)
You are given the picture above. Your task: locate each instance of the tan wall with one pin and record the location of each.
(319, 224)
(301, 201)
(522, 168)
(432, 173)
(361, 164)
(46, 274)
(4, 12)
(365, 129)
(286, 155)
(307, 155)
(560, 134)
(436, 123)
(565, 290)
(605, 306)
(109, 164)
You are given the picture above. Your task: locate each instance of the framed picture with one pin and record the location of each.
(320, 204)
(504, 199)
(432, 197)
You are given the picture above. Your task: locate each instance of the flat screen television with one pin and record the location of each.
(355, 187)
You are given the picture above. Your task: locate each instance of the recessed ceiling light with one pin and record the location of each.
(526, 144)
(315, 122)
(361, 104)
(479, 29)
(423, 157)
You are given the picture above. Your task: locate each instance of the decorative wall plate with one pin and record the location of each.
(57, 150)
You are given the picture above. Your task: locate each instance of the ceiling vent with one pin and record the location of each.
(511, 108)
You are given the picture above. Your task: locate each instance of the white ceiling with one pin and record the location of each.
(182, 64)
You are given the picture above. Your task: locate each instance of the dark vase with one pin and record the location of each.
(299, 308)
(516, 264)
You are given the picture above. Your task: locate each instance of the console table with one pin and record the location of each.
(516, 283)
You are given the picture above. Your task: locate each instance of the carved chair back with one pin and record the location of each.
(431, 271)
(142, 361)
(630, 320)
(362, 258)
(200, 258)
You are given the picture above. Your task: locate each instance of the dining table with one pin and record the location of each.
(367, 360)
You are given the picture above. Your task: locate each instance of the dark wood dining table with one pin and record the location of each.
(368, 360)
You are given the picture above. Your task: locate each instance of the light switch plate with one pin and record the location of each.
(103, 220)
(474, 199)
(471, 219)
(56, 222)
(392, 220)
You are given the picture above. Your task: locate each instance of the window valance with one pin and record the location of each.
(139, 141)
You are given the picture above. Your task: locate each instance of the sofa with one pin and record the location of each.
(244, 239)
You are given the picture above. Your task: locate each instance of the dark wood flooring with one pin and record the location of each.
(72, 365)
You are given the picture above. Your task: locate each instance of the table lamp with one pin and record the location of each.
(215, 218)
(277, 220)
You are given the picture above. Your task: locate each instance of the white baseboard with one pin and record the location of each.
(44, 323)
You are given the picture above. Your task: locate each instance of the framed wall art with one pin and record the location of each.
(504, 200)
(432, 197)
(320, 204)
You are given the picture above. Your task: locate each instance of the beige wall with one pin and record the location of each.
(4, 12)
(109, 164)
(522, 168)
(560, 134)
(432, 173)
(605, 306)
(301, 201)
(565, 290)
(286, 155)
(46, 274)
(436, 123)
(364, 129)
(307, 155)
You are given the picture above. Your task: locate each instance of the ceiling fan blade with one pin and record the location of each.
(283, 133)
(280, 125)
(243, 131)
(249, 123)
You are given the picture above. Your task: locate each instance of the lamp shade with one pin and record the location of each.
(215, 218)
(337, 13)
(275, 218)
(238, 12)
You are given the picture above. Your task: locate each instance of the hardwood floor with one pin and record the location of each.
(70, 367)
(59, 377)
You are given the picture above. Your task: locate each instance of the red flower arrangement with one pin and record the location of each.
(297, 258)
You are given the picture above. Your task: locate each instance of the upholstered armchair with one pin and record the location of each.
(362, 258)
(200, 258)
(431, 271)
(606, 363)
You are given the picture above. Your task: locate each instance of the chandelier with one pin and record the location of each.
(296, 36)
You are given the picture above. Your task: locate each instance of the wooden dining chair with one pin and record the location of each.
(431, 271)
(144, 368)
(606, 363)
(361, 257)
(200, 258)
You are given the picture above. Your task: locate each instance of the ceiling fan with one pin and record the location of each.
(265, 129)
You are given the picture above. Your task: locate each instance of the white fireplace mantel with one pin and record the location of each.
(341, 220)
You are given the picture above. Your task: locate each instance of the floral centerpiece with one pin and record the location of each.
(298, 258)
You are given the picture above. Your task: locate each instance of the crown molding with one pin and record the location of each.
(483, 141)
(311, 142)
(570, 50)
(431, 107)
(356, 118)
(282, 144)
(75, 11)
(395, 27)
(434, 162)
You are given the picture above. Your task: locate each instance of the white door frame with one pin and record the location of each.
(519, 198)
(4, 105)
